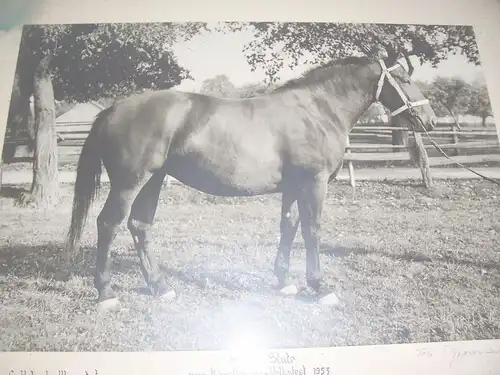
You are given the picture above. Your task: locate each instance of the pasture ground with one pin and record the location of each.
(409, 265)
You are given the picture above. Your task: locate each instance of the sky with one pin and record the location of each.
(210, 54)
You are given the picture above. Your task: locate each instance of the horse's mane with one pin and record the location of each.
(320, 73)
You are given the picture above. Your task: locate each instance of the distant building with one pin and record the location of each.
(79, 117)
(81, 112)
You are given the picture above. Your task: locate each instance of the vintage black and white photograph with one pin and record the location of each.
(204, 186)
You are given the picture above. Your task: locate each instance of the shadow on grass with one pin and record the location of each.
(229, 279)
(342, 251)
(14, 193)
(50, 262)
(25, 261)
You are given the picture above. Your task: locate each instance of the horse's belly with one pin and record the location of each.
(224, 180)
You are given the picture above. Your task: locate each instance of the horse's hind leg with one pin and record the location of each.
(111, 216)
(289, 223)
(310, 204)
(140, 221)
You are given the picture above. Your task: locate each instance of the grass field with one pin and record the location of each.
(408, 265)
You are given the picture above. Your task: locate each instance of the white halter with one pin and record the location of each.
(386, 74)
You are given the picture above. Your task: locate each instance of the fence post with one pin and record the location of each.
(350, 165)
(418, 155)
(454, 137)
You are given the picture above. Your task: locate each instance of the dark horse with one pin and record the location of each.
(290, 141)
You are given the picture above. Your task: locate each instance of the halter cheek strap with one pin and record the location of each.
(386, 73)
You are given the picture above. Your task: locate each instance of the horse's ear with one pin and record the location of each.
(408, 62)
(393, 53)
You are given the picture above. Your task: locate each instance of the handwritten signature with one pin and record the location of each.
(457, 354)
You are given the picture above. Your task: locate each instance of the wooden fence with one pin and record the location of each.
(369, 146)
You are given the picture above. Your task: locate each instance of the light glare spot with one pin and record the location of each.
(247, 349)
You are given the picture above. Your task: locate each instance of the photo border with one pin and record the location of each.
(477, 357)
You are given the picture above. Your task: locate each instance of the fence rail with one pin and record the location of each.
(367, 144)
(371, 144)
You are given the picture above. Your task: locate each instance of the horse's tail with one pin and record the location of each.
(87, 184)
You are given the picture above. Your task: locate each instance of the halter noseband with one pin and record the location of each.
(386, 73)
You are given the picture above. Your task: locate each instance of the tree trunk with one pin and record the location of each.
(45, 188)
(18, 120)
(418, 155)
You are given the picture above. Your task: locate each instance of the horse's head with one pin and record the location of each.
(399, 94)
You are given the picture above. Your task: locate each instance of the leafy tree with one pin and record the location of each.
(219, 85)
(254, 89)
(449, 96)
(479, 102)
(294, 43)
(373, 113)
(81, 62)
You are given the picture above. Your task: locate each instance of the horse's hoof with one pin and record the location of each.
(108, 305)
(329, 299)
(289, 290)
(168, 296)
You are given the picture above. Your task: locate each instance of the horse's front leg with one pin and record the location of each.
(310, 203)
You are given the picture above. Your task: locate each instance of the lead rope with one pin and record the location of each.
(456, 162)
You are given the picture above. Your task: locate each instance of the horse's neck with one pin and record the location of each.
(347, 99)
